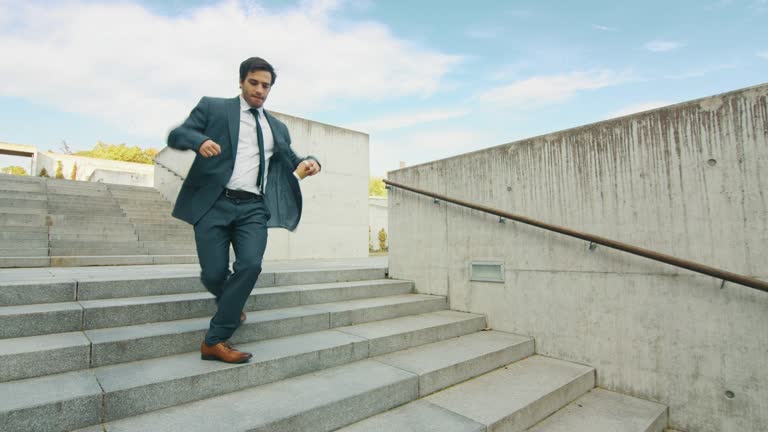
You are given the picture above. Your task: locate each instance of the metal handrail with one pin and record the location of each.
(668, 259)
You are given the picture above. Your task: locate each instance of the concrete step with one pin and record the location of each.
(72, 227)
(605, 411)
(145, 341)
(21, 219)
(55, 403)
(174, 230)
(149, 214)
(167, 220)
(107, 260)
(512, 398)
(40, 319)
(140, 203)
(104, 236)
(139, 310)
(22, 203)
(35, 292)
(23, 236)
(25, 229)
(26, 196)
(185, 237)
(23, 210)
(76, 206)
(25, 244)
(6, 251)
(320, 401)
(89, 213)
(95, 288)
(34, 356)
(15, 262)
(158, 384)
(72, 244)
(97, 251)
(85, 219)
(139, 387)
(6, 186)
(160, 251)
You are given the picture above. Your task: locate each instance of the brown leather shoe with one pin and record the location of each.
(222, 352)
(242, 317)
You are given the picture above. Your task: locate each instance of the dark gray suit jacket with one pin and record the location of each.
(219, 120)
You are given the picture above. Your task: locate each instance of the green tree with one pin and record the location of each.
(73, 175)
(376, 187)
(44, 173)
(121, 152)
(14, 170)
(59, 170)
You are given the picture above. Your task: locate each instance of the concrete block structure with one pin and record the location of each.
(687, 180)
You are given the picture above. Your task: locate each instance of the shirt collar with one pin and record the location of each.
(245, 107)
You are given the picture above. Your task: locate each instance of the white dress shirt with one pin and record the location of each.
(246, 170)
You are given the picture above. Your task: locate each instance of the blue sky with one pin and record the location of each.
(426, 79)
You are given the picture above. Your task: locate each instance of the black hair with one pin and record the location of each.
(254, 64)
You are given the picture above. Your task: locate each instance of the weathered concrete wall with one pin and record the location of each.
(334, 222)
(377, 220)
(134, 173)
(687, 180)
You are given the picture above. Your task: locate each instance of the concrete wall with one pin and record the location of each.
(377, 219)
(334, 223)
(132, 173)
(688, 180)
(122, 177)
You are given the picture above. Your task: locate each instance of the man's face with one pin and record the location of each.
(256, 86)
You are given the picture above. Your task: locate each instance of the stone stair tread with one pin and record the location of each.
(417, 416)
(439, 355)
(141, 386)
(511, 394)
(41, 308)
(167, 298)
(34, 356)
(605, 411)
(133, 374)
(178, 326)
(279, 402)
(32, 344)
(296, 399)
(509, 398)
(15, 395)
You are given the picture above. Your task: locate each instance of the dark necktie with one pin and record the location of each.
(260, 140)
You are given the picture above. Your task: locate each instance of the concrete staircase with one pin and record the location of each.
(336, 347)
(50, 222)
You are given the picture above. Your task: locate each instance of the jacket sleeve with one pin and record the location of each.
(190, 135)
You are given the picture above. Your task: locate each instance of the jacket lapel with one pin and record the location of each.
(233, 119)
(275, 135)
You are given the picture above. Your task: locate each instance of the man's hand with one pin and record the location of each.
(312, 167)
(209, 148)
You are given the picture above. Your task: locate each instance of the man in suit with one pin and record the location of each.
(244, 179)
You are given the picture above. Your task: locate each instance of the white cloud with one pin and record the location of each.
(762, 54)
(402, 120)
(143, 72)
(603, 28)
(424, 146)
(639, 107)
(663, 46)
(550, 89)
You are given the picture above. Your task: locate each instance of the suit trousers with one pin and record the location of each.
(243, 224)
